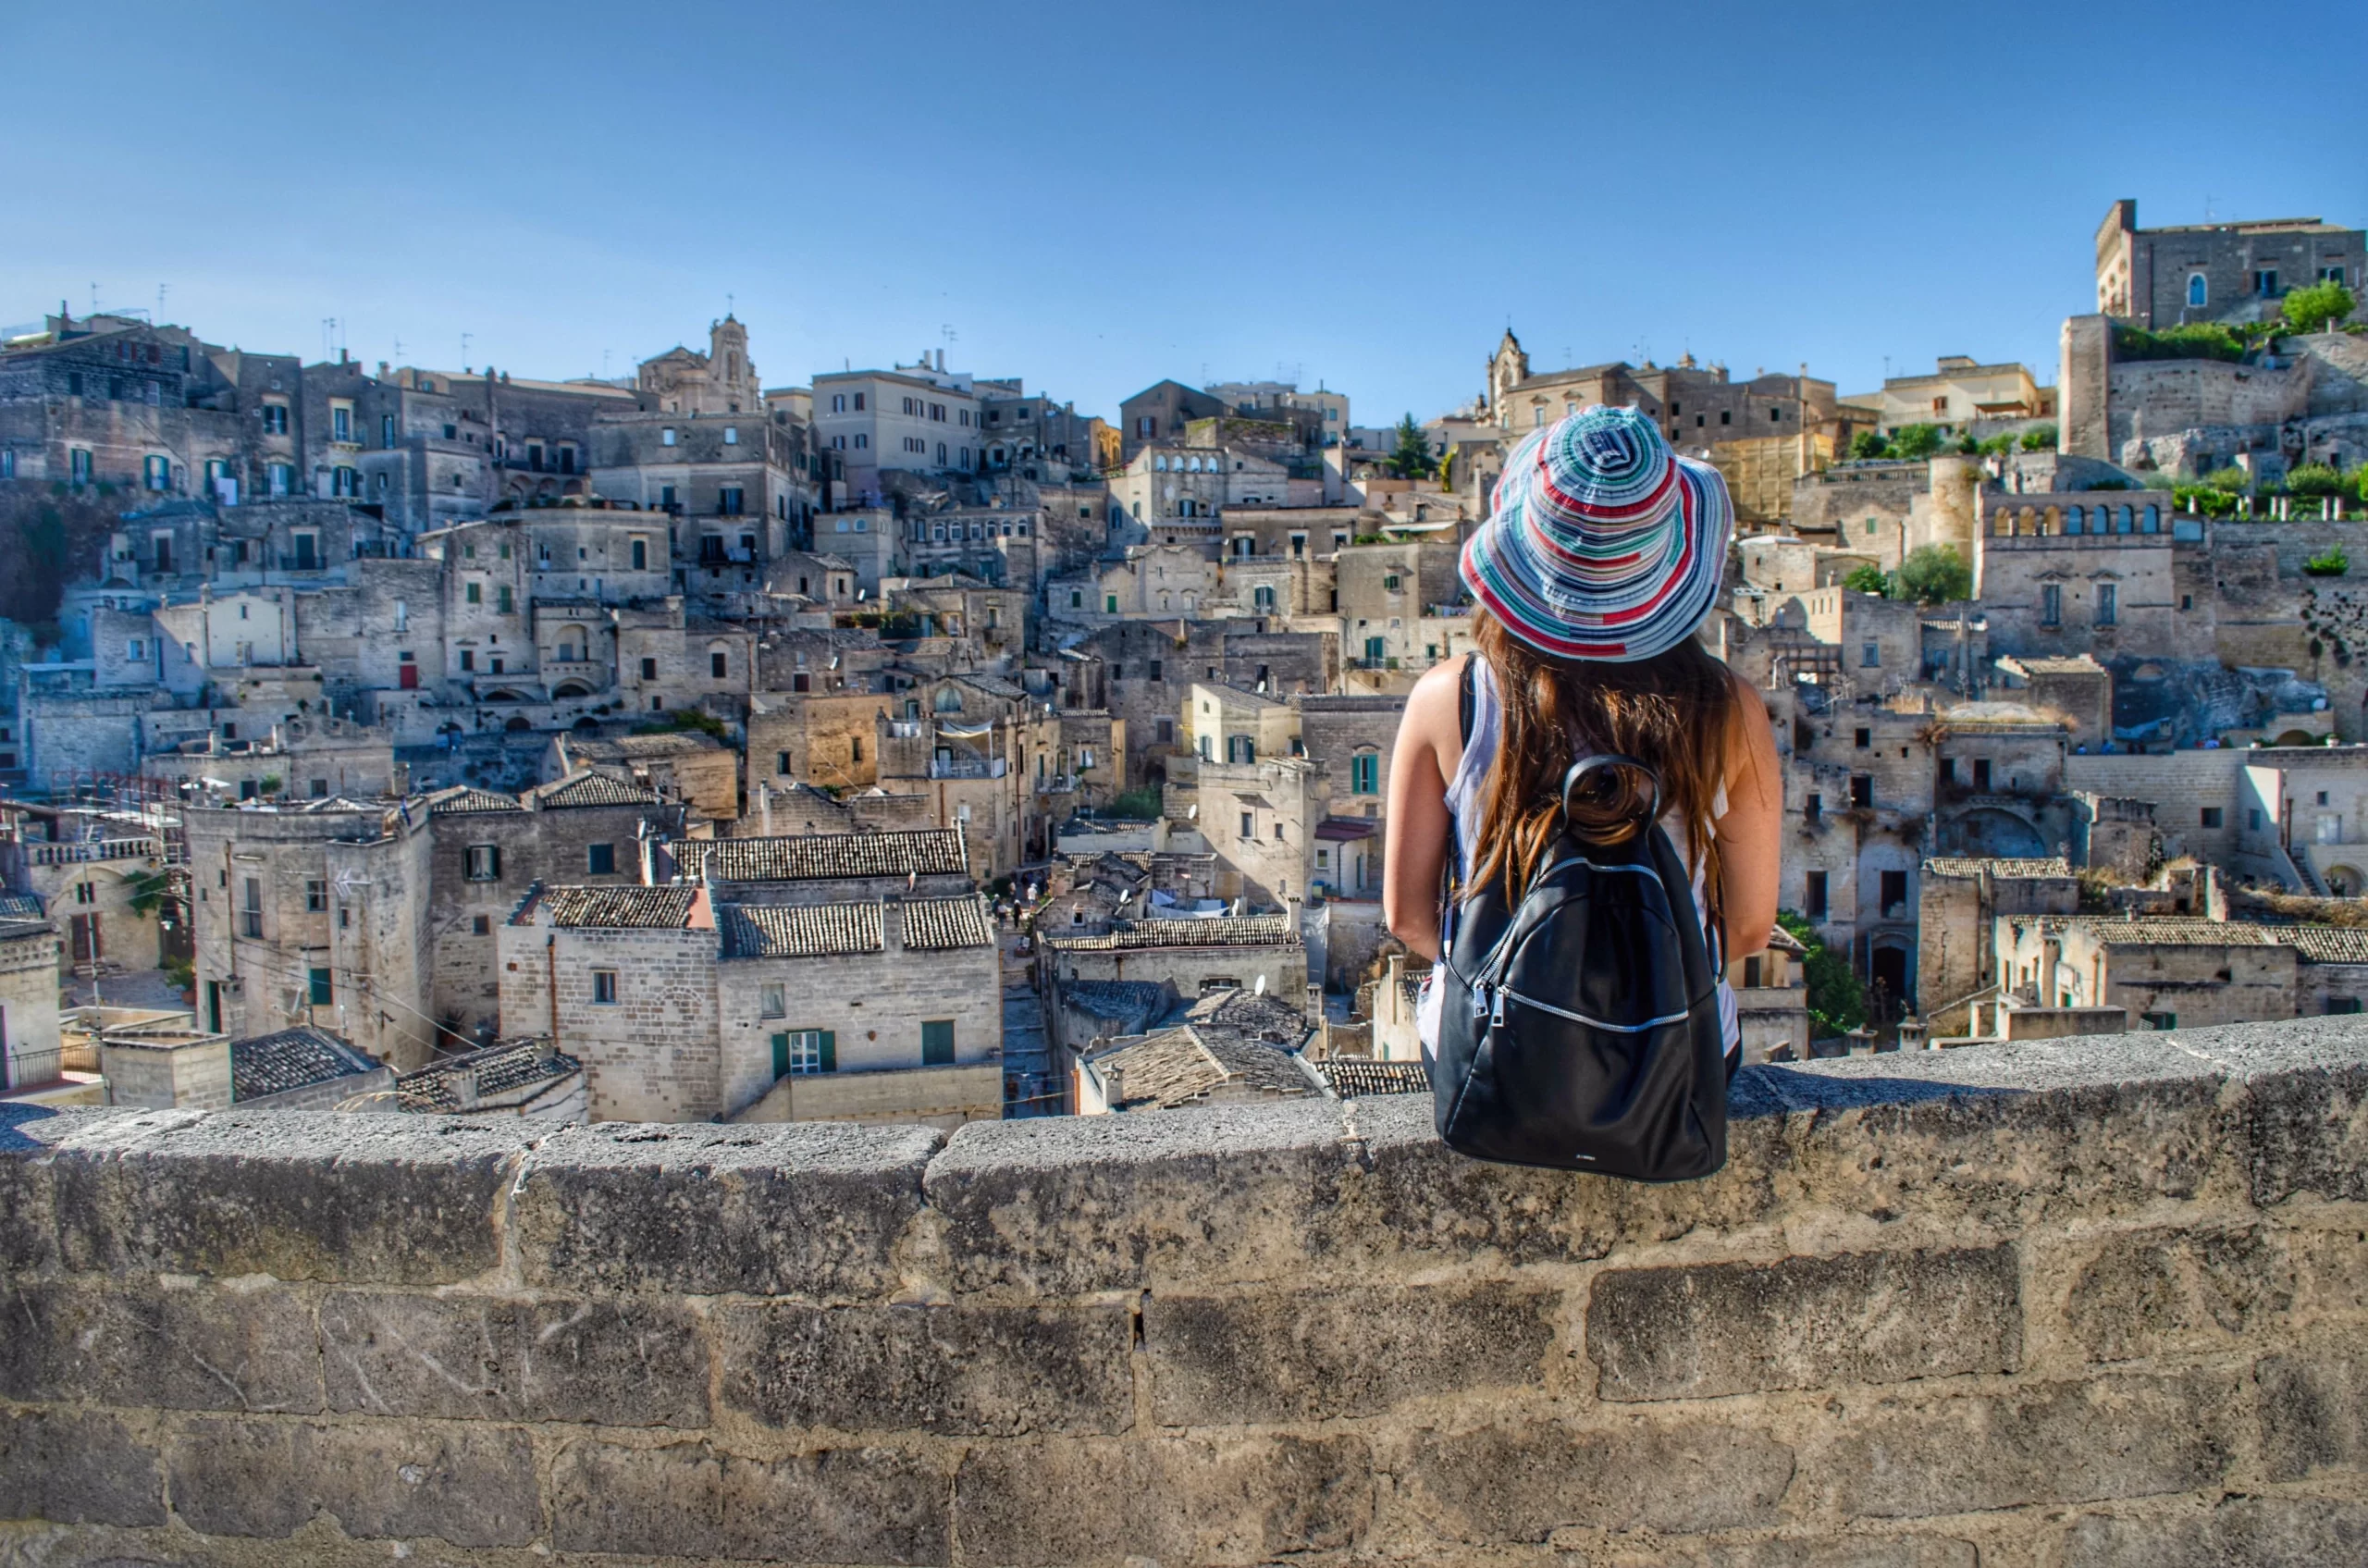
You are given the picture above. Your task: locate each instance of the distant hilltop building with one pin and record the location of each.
(2199, 272)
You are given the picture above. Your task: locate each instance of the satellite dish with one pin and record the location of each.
(1259, 988)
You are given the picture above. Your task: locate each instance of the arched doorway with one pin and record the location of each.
(1888, 994)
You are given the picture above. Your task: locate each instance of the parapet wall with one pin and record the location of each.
(2071, 1304)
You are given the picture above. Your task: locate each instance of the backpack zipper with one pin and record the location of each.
(1497, 1018)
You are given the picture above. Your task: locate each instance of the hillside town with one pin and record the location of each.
(907, 745)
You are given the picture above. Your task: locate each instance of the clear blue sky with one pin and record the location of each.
(1094, 196)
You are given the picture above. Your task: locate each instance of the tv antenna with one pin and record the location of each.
(464, 349)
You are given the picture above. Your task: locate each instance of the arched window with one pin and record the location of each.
(2199, 292)
(2076, 519)
(2150, 522)
(948, 700)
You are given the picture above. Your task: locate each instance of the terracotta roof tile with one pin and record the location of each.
(465, 799)
(2326, 944)
(1226, 930)
(1355, 1079)
(593, 789)
(941, 925)
(293, 1058)
(826, 855)
(1968, 864)
(814, 931)
(617, 908)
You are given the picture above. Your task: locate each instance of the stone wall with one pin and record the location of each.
(2074, 1303)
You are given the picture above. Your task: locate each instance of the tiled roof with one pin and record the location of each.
(1236, 1013)
(619, 907)
(815, 930)
(20, 907)
(814, 857)
(498, 1070)
(1967, 865)
(2181, 930)
(1177, 1066)
(593, 789)
(939, 925)
(1354, 1079)
(2326, 944)
(293, 1058)
(466, 798)
(1226, 930)
(1139, 1000)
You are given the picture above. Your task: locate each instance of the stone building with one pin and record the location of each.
(1958, 909)
(1960, 393)
(1160, 411)
(2160, 278)
(917, 418)
(316, 913)
(30, 1061)
(2168, 971)
(1262, 954)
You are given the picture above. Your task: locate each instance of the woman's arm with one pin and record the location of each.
(1430, 742)
(1751, 835)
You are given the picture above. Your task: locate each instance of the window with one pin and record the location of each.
(2051, 604)
(484, 862)
(2252, 817)
(1240, 748)
(481, 925)
(88, 893)
(731, 435)
(250, 917)
(322, 995)
(2214, 816)
(773, 1001)
(274, 419)
(316, 896)
(1813, 896)
(858, 403)
(937, 1044)
(1751, 980)
(340, 421)
(473, 593)
(2162, 1020)
(716, 665)
(804, 1051)
(600, 859)
(1894, 892)
(1812, 807)
(2199, 291)
(1981, 774)
(604, 987)
(1364, 773)
(641, 555)
(1862, 789)
(650, 669)
(502, 601)
(2108, 599)
(666, 438)
(2343, 1003)
(1863, 738)
(157, 473)
(2333, 275)
(1870, 527)
(81, 460)
(731, 500)
(838, 402)
(468, 659)
(2265, 281)
(1248, 826)
(1948, 770)
(1110, 604)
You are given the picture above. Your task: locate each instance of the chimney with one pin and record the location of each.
(765, 807)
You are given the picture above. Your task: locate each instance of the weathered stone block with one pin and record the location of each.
(2148, 1291)
(805, 1210)
(1066, 1206)
(1788, 1552)
(1308, 1355)
(2107, 1436)
(1520, 1480)
(77, 1467)
(298, 1195)
(135, 1342)
(961, 1370)
(2310, 1133)
(29, 1136)
(1247, 1501)
(473, 1485)
(2313, 1408)
(614, 1362)
(1802, 1323)
(2271, 1532)
(870, 1505)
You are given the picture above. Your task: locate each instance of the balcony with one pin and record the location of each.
(92, 851)
(967, 768)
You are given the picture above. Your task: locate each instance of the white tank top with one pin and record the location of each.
(1463, 800)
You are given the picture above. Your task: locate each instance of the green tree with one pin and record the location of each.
(2039, 437)
(2318, 307)
(1410, 458)
(48, 535)
(2232, 479)
(1916, 441)
(1935, 575)
(2313, 479)
(1837, 1002)
(1867, 446)
(1868, 580)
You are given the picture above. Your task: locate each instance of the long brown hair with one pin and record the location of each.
(1671, 712)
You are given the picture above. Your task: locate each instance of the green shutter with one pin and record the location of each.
(829, 1051)
(781, 1056)
(937, 1044)
(320, 979)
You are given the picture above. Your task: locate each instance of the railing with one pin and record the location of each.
(35, 1069)
(90, 850)
(967, 768)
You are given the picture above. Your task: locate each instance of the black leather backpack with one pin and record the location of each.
(1579, 1027)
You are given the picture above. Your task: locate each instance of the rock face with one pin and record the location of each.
(2083, 1301)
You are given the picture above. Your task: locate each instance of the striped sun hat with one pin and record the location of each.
(1601, 543)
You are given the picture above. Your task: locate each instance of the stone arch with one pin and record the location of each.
(1992, 831)
(503, 694)
(2297, 737)
(572, 688)
(517, 722)
(2345, 882)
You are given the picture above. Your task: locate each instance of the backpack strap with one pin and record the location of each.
(1467, 700)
